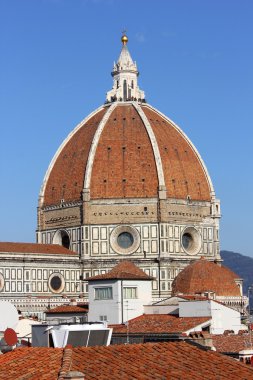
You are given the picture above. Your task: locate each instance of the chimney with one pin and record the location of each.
(73, 375)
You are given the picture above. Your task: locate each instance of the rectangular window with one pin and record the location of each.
(13, 286)
(163, 274)
(39, 274)
(129, 292)
(154, 285)
(19, 286)
(7, 274)
(103, 318)
(19, 274)
(39, 287)
(87, 274)
(103, 293)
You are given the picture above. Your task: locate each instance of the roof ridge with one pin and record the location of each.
(66, 362)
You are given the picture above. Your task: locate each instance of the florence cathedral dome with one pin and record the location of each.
(128, 183)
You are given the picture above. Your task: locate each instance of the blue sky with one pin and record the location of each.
(195, 59)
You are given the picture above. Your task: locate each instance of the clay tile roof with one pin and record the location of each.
(34, 248)
(170, 360)
(33, 364)
(184, 173)
(67, 309)
(123, 271)
(231, 343)
(203, 276)
(159, 324)
(193, 297)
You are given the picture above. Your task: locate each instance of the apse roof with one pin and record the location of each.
(205, 276)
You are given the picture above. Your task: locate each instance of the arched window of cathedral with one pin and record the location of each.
(61, 237)
(132, 84)
(65, 241)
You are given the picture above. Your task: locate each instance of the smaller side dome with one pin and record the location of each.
(204, 276)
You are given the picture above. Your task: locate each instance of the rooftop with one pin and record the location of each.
(232, 343)
(125, 270)
(34, 248)
(170, 360)
(205, 276)
(159, 324)
(67, 309)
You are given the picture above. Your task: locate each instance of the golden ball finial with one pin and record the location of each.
(124, 39)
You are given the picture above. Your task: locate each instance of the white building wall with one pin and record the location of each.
(107, 309)
(132, 308)
(223, 317)
(118, 309)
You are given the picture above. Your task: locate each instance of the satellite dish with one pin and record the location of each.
(8, 315)
(10, 337)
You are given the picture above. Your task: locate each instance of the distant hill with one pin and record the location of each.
(242, 265)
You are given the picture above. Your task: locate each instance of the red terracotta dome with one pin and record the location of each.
(203, 276)
(126, 150)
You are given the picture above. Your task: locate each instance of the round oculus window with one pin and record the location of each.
(56, 283)
(187, 240)
(125, 240)
(191, 240)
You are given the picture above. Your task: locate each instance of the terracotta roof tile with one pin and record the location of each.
(159, 324)
(67, 175)
(202, 276)
(193, 297)
(34, 248)
(231, 343)
(158, 361)
(31, 363)
(129, 168)
(125, 270)
(183, 172)
(67, 309)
